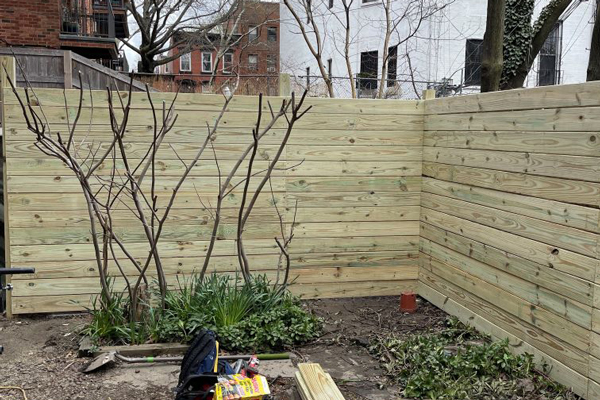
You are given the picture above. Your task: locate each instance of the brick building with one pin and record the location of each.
(253, 58)
(87, 27)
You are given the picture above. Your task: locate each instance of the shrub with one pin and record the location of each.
(253, 315)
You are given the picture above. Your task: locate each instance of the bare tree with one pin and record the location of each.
(132, 184)
(493, 40)
(346, 22)
(593, 71)
(162, 26)
(401, 23)
(311, 34)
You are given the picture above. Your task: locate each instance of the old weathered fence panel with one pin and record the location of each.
(357, 231)
(510, 221)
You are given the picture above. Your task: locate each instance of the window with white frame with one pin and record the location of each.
(253, 62)
(227, 63)
(252, 33)
(207, 62)
(185, 62)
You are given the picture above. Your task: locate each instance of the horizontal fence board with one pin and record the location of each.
(561, 143)
(546, 232)
(553, 211)
(558, 166)
(547, 119)
(521, 287)
(572, 191)
(213, 102)
(547, 255)
(576, 95)
(186, 266)
(566, 284)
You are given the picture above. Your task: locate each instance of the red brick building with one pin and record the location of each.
(253, 58)
(87, 27)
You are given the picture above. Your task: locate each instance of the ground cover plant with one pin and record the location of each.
(251, 315)
(460, 363)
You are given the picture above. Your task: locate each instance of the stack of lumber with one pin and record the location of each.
(314, 383)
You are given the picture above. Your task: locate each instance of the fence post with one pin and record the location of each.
(284, 85)
(428, 94)
(8, 68)
(68, 69)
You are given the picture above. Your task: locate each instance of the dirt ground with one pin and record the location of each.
(41, 355)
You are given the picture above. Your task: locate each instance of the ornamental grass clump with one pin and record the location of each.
(249, 315)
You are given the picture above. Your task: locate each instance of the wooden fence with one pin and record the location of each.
(357, 191)
(489, 204)
(510, 221)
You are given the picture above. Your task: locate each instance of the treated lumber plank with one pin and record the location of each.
(228, 151)
(577, 240)
(212, 102)
(549, 256)
(77, 218)
(562, 351)
(189, 200)
(575, 95)
(565, 284)
(521, 287)
(134, 233)
(187, 265)
(553, 165)
(232, 135)
(197, 249)
(482, 321)
(330, 184)
(580, 119)
(319, 384)
(570, 191)
(565, 143)
(541, 318)
(239, 119)
(553, 211)
(65, 303)
(299, 276)
(301, 386)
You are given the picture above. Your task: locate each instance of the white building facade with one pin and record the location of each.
(441, 51)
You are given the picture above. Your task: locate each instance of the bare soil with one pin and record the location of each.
(41, 355)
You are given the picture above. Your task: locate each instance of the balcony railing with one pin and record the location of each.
(78, 20)
(116, 4)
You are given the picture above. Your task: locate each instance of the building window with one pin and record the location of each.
(548, 72)
(329, 67)
(227, 63)
(473, 62)
(207, 62)
(271, 63)
(252, 33)
(272, 34)
(185, 62)
(330, 4)
(369, 1)
(367, 79)
(392, 66)
(253, 62)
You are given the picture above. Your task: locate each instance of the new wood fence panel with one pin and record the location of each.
(510, 221)
(352, 167)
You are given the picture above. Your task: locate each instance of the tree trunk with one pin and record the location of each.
(593, 71)
(545, 23)
(492, 57)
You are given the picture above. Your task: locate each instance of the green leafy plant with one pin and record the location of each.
(460, 363)
(246, 315)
